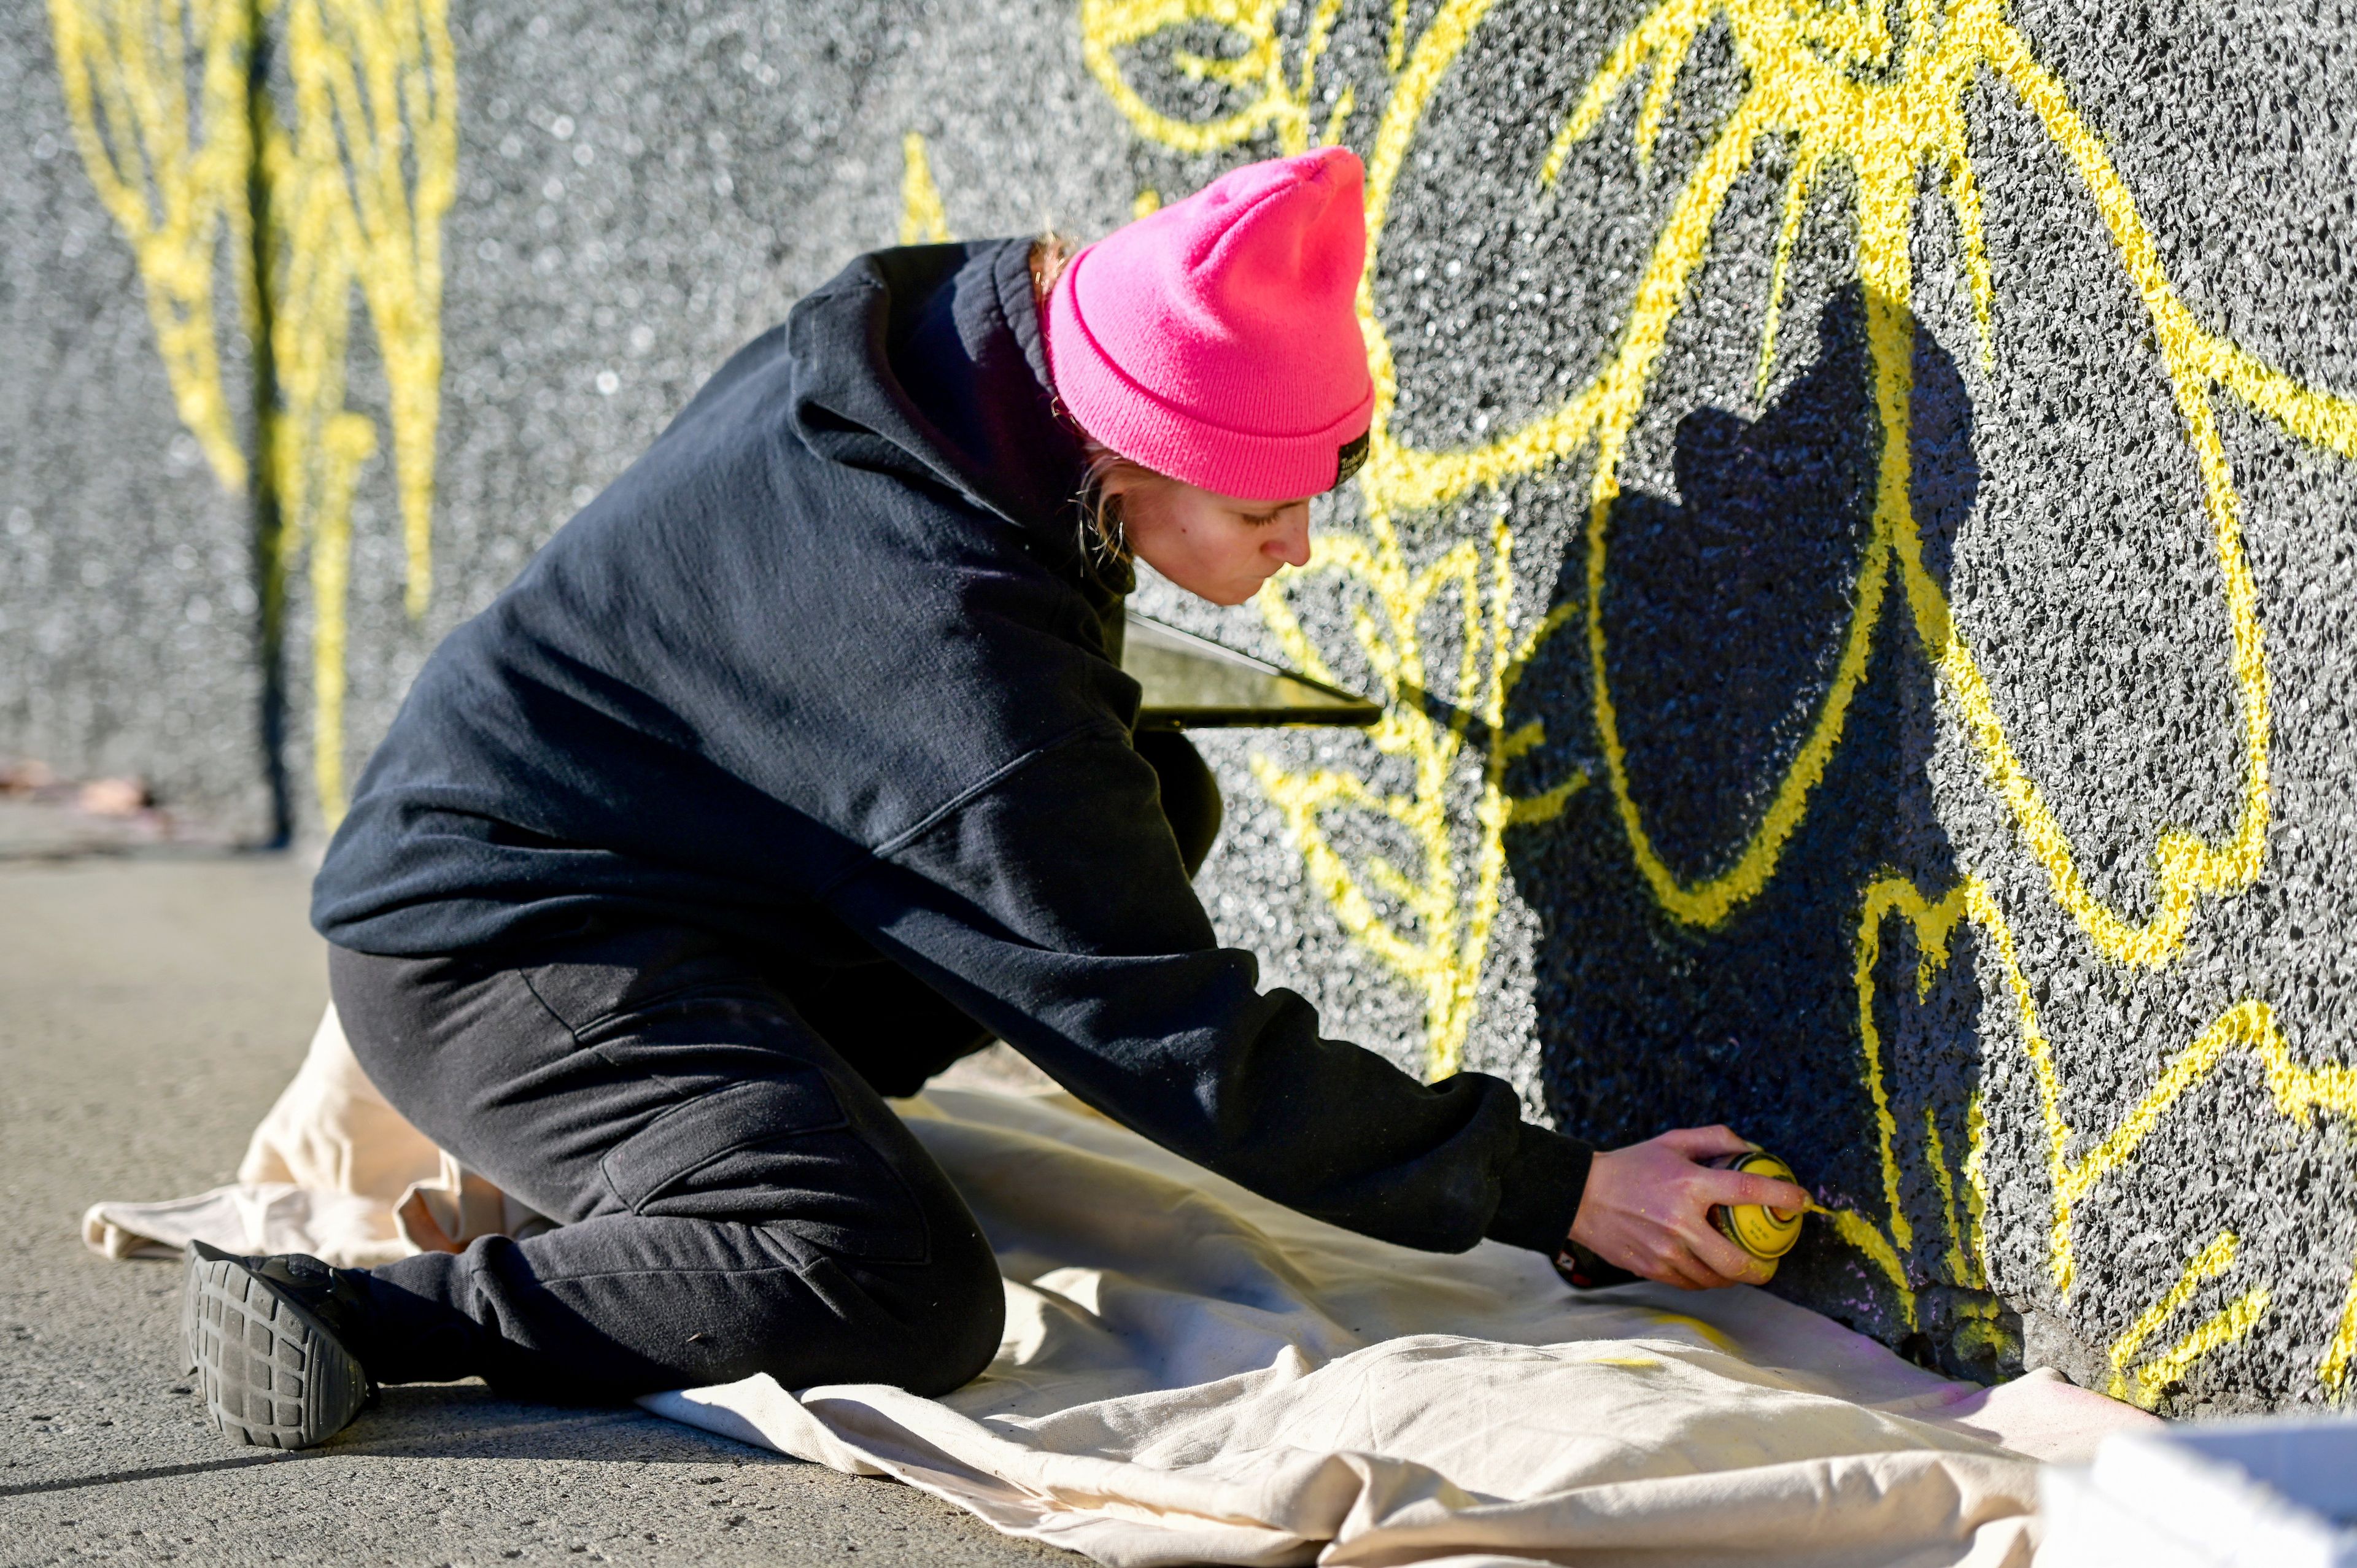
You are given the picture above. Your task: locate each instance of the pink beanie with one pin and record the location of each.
(1216, 340)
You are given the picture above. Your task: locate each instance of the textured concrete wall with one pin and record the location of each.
(127, 595)
(1857, 549)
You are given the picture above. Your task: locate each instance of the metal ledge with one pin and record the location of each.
(1192, 683)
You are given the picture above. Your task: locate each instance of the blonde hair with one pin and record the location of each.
(1104, 536)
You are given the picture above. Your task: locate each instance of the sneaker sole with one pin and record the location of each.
(271, 1374)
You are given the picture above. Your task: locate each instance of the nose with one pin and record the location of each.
(1291, 541)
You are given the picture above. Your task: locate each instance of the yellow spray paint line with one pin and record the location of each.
(1933, 923)
(1936, 1154)
(2205, 1265)
(1972, 243)
(1824, 82)
(1862, 1235)
(172, 176)
(923, 219)
(2297, 1090)
(2230, 1325)
(359, 186)
(1788, 234)
(2146, 1384)
(2342, 1349)
(348, 441)
(1976, 1202)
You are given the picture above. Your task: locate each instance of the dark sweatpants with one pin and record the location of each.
(707, 1124)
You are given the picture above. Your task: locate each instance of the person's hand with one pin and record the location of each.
(1647, 1209)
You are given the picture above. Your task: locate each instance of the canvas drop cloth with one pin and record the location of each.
(1194, 1374)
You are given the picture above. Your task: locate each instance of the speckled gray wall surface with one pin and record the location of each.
(1857, 551)
(127, 592)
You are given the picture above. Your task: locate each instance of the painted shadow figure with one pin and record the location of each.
(1725, 612)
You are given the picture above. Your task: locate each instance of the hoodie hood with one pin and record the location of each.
(929, 362)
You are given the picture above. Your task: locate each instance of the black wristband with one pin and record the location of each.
(1583, 1269)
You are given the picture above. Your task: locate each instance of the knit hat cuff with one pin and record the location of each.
(1132, 419)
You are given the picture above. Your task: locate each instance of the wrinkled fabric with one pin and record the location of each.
(1193, 1374)
(1190, 1374)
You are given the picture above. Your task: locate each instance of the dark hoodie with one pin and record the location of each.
(827, 672)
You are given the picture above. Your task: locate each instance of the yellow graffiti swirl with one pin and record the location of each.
(1832, 85)
(1828, 88)
(1438, 939)
(1278, 105)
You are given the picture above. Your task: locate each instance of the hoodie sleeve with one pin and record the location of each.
(1051, 905)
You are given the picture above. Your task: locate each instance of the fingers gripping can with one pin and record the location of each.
(1765, 1233)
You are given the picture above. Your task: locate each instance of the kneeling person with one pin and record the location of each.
(800, 764)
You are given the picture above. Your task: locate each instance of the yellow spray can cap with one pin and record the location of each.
(1766, 1233)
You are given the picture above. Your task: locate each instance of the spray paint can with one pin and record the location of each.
(1766, 1233)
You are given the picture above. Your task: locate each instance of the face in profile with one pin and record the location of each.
(1219, 548)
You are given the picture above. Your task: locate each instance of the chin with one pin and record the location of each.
(1226, 595)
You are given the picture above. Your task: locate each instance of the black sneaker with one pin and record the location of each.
(272, 1371)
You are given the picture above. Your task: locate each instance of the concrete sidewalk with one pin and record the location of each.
(150, 1009)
